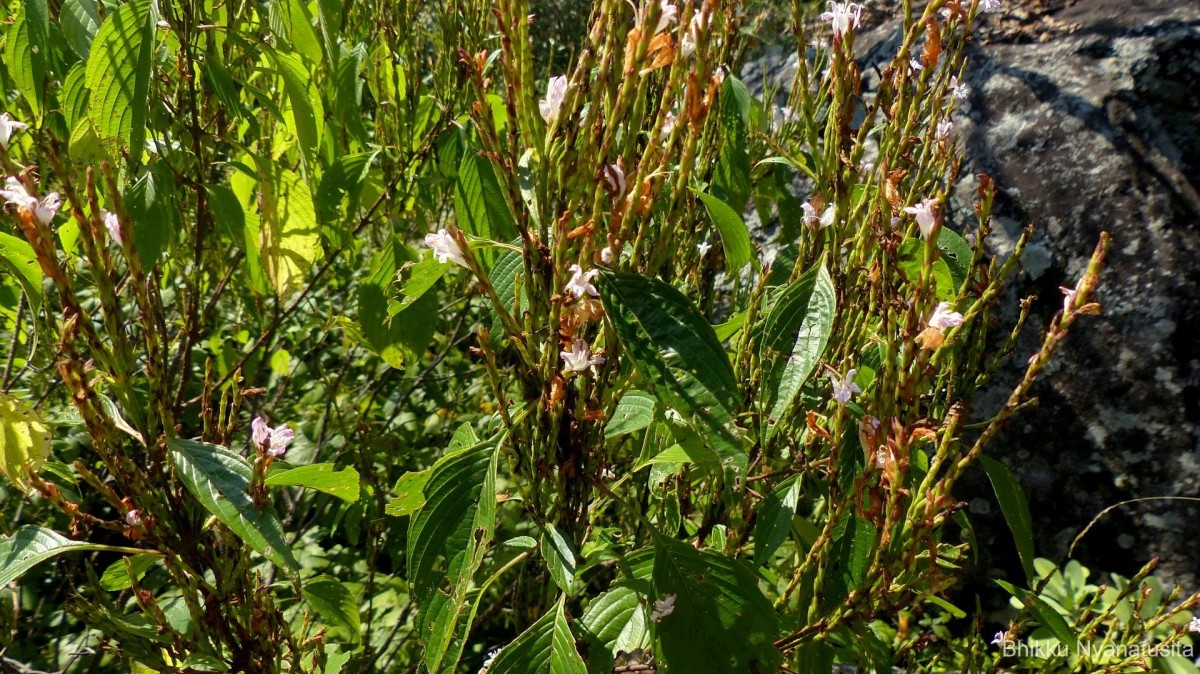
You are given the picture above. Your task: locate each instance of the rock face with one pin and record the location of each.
(1087, 114)
(1096, 127)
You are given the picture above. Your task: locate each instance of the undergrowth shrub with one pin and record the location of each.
(367, 337)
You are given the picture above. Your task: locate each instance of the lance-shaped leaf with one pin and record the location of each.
(735, 237)
(220, 481)
(31, 545)
(634, 412)
(334, 603)
(290, 238)
(1015, 509)
(547, 647)
(118, 75)
(794, 336)
(322, 477)
(774, 521)
(17, 256)
(479, 205)
(721, 622)
(559, 556)
(454, 524)
(614, 622)
(679, 354)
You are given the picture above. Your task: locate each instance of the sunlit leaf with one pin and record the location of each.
(24, 441)
(320, 476)
(794, 337)
(220, 481)
(119, 73)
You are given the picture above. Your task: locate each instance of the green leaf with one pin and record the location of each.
(17, 256)
(775, 517)
(79, 20)
(290, 238)
(732, 175)
(911, 262)
(721, 622)
(306, 115)
(956, 254)
(547, 647)
(24, 441)
(794, 337)
(479, 205)
(1015, 509)
(559, 556)
(634, 412)
(1045, 613)
(456, 523)
(220, 481)
(116, 576)
(322, 477)
(155, 213)
(333, 602)
(118, 75)
(342, 180)
(292, 24)
(410, 493)
(614, 622)
(734, 235)
(678, 352)
(402, 334)
(73, 97)
(31, 545)
(26, 65)
(853, 542)
(418, 279)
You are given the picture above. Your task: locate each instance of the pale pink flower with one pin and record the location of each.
(133, 518)
(945, 317)
(1194, 625)
(843, 16)
(989, 5)
(580, 283)
(113, 225)
(606, 255)
(668, 127)
(579, 358)
(961, 91)
(662, 608)
(843, 387)
(556, 91)
(699, 24)
(1068, 299)
(445, 247)
(273, 441)
(926, 214)
(44, 210)
(7, 127)
(668, 16)
(944, 129)
(614, 179)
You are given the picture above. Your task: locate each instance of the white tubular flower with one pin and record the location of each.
(606, 255)
(944, 129)
(491, 657)
(272, 441)
(7, 127)
(687, 45)
(1194, 625)
(668, 127)
(614, 179)
(945, 317)
(915, 65)
(703, 247)
(961, 91)
(15, 193)
(445, 248)
(133, 518)
(668, 16)
(580, 283)
(810, 214)
(662, 608)
(843, 16)
(114, 227)
(579, 358)
(989, 5)
(556, 91)
(844, 387)
(827, 217)
(1068, 299)
(926, 215)
(47, 207)
(998, 640)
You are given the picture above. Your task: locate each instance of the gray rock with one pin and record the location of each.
(1086, 115)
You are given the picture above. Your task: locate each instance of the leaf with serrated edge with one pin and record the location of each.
(794, 336)
(220, 481)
